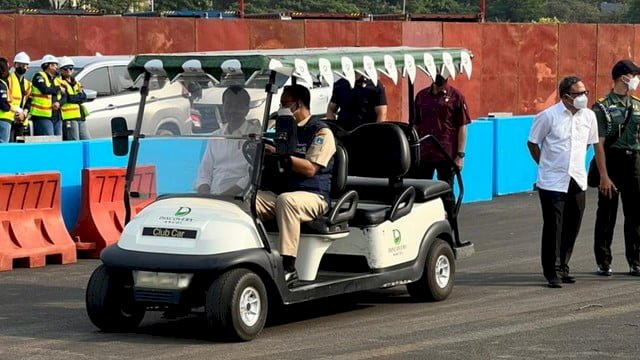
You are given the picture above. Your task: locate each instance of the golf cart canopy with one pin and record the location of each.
(305, 63)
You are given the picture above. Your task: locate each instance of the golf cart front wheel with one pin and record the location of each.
(436, 282)
(236, 305)
(110, 303)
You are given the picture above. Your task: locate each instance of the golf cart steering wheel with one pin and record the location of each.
(249, 149)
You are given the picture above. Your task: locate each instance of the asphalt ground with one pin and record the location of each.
(500, 309)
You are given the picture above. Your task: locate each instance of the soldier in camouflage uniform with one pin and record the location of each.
(618, 161)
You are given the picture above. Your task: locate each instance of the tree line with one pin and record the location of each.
(570, 11)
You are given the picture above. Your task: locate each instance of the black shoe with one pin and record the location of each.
(634, 270)
(554, 283)
(568, 279)
(604, 270)
(290, 277)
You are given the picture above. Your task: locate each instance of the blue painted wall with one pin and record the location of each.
(477, 171)
(514, 170)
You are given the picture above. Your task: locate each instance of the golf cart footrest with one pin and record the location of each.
(465, 250)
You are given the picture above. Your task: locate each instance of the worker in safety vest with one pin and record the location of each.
(20, 89)
(73, 113)
(47, 99)
(7, 112)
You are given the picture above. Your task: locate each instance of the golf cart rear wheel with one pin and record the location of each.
(236, 305)
(110, 303)
(436, 282)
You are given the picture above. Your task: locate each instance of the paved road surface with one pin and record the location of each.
(500, 309)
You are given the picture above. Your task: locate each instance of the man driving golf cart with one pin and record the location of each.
(306, 177)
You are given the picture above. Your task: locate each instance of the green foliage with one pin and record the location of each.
(547, 11)
(548, 20)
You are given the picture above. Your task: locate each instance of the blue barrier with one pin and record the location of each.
(63, 157)
(514, 170)
(477, 172)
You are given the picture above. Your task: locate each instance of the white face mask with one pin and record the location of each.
(633, 83)
(580, 102)
(284, 111)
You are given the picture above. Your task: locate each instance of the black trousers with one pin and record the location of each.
(445, 173)
(624, 170)
(562, 217)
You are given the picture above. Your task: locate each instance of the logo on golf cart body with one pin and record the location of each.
(397, 237)
(183, 211)
(178, 217)
(397, 249)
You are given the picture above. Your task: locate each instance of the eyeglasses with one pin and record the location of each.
(66, 68)
(575, 94)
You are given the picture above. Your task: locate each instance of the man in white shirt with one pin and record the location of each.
(223, 169)
(558, 143)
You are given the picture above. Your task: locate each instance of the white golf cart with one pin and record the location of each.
(187, 251)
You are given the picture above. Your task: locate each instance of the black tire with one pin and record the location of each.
(168, 130)
(436, 282)
(236, 305)
(110, 303)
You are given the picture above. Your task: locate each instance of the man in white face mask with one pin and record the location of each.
(618, 164)
(558, 143)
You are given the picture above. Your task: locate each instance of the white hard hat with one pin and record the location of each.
(22, 58)
(66, 61)
(49, 59)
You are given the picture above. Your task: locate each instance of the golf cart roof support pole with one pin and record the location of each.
(411, 102)
(135, 145)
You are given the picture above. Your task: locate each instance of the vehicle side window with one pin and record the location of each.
(120, 79)
(98, 80)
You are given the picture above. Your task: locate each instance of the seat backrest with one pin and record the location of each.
(339, 175)
(414, 142)
(378, 150)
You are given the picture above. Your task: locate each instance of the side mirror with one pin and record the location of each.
(120, 136)
(91, 94)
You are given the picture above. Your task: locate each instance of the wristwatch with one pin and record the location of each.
(460, 154)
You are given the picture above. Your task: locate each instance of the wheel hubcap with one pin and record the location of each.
(443, 271)
(250, 306)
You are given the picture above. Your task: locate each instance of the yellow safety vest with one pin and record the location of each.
(71, 111)
(42, 104)
(19, 99)
(7, 115)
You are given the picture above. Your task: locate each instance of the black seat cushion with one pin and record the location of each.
(379, 189)
(369, 214)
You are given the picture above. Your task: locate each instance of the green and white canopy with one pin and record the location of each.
(305, 63)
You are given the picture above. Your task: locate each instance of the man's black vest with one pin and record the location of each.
(320, 183)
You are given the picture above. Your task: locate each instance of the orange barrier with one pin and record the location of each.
(32, 232)
(101, 217)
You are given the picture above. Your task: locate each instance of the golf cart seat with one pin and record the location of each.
(380, 157)
(317, 235)
(336, 219)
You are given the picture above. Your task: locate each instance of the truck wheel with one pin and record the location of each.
(168, 130)
(436, 282)
(236, 305)
(110, 303)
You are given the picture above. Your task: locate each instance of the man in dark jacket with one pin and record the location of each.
(305, 187)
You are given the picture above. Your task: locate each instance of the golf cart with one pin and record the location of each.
(187, 251)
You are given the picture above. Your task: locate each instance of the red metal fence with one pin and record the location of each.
(516, 66)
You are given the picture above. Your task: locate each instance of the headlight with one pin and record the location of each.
(161, 280)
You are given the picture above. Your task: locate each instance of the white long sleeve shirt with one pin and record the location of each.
(223, 165)
(563, 138)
